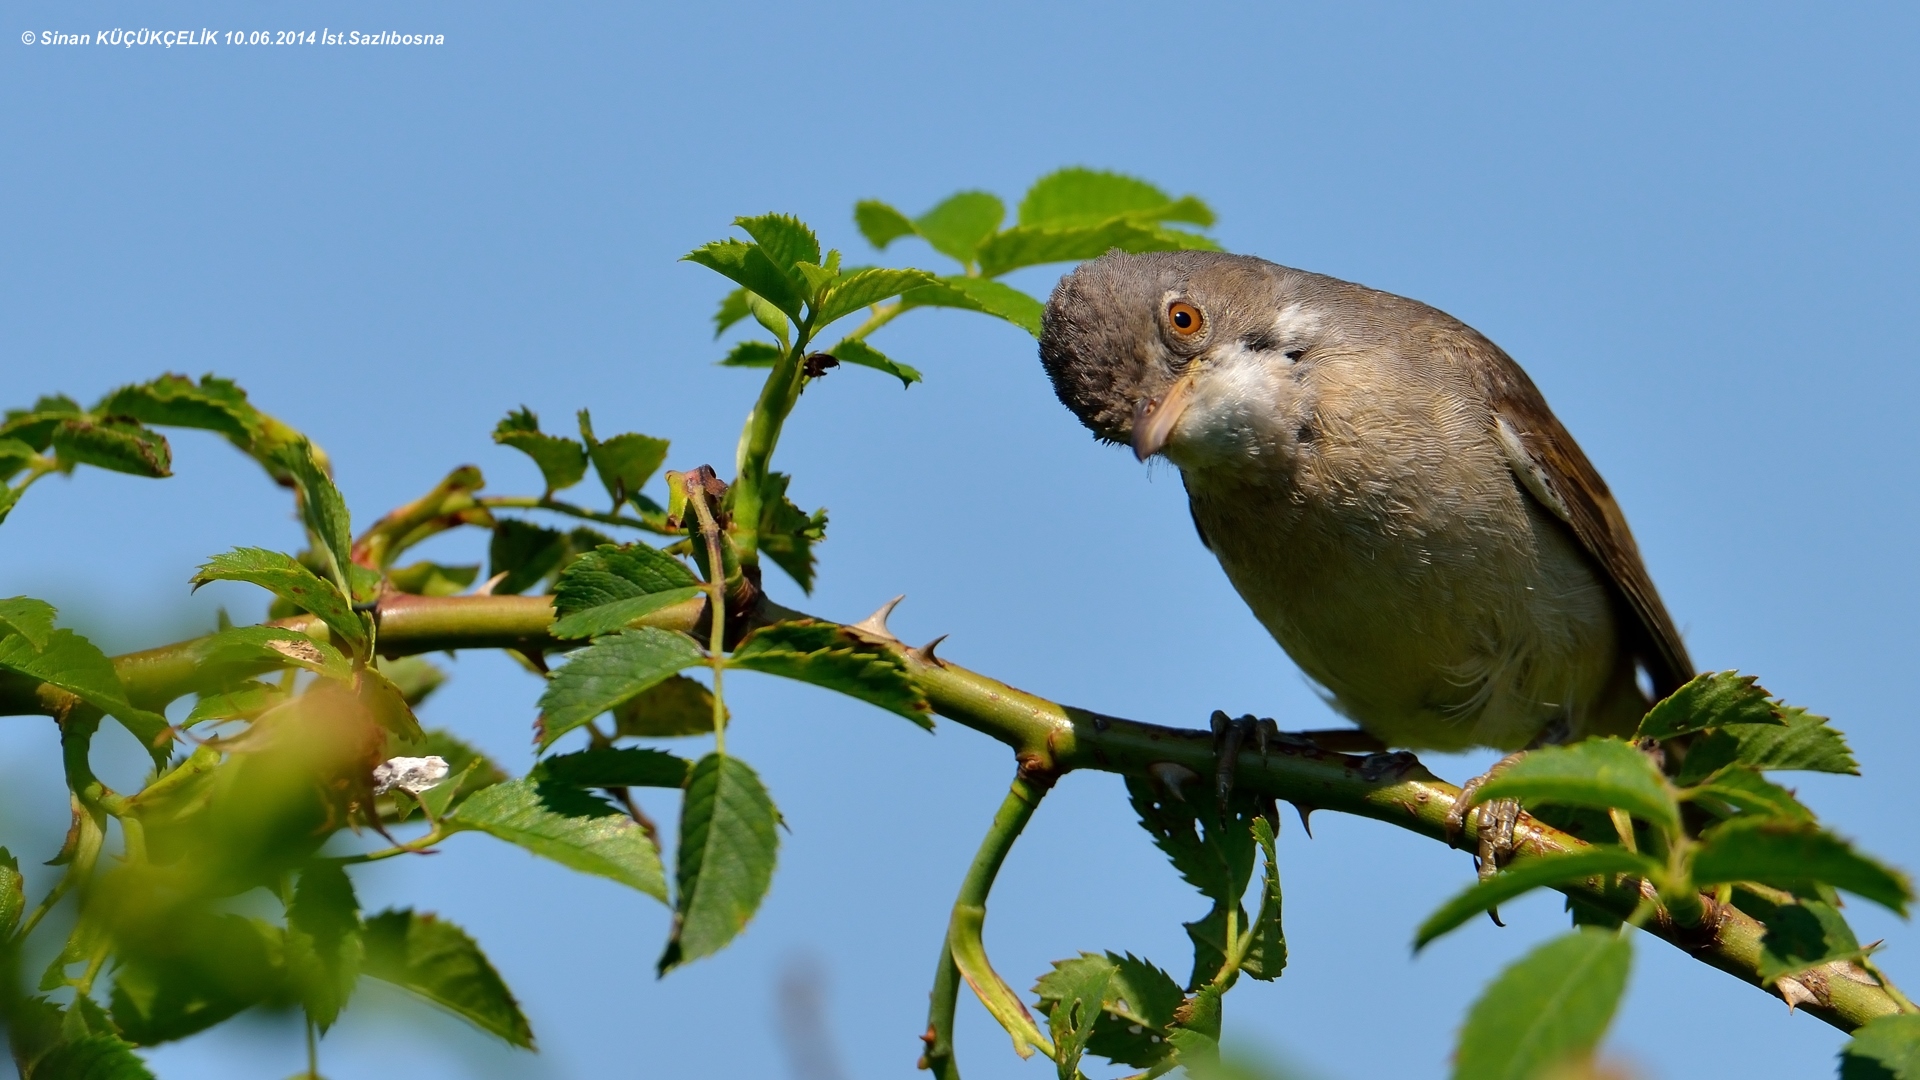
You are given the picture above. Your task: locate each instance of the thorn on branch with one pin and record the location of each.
(875, 624)
(924, 653)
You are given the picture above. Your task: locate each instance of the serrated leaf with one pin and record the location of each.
(387, 705)
(285, 577)
(609, 574)
(1080, 992)
(1549, 1007)
(1790, 854)
(1138, 1006)
(856, 351)
(960, 222)
(1025, 245)
(610, 672)
(753, 354)
(1267, 957)
(1195, 1035)
(995, 298)
(624, 463)
(733, 308)
(1217, 861)
(1806, 743)
(113, 444)
(1751, 793)
(785, 239)
(1082, 196)
(90, 1057)
(74, 664)
(833, 657)
(879, 223)
(787, 534)
(1801, 934)
(1714, 699)
(1600, 773)
(192, 973)
(321, 506)
(1530, 874)
(562, 461)
(863, 288)
(1884, 1048)
(747, 265)
(13, 894)
(608, 618)
(30, 618)
(616, 767)
(674, 707)
(249, 650)
(175, 401)
(438, 961)
(244, 701)
(729, 838)
(572, 827)
(525, 553)
(323, 941)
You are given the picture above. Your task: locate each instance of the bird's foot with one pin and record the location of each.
(1229, 735)
(1494, 822)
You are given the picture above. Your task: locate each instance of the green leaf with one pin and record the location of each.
(74, 664)
(995, 298)
(387, 705)
(1805, 743)
(1884, 1048)
(1801, 934)
(1080, 991)
(433, 579)
(1025, 245)
(1530, 874)
(1600, 773)
(834, 657)
(621, 767)
(625, 462)
(674, 707)
(1751, 793)
(863, 288)
(1790, 854)
(733, 308)
(960, 223)
(749, 266)
(1550, 1007)
(771, 318)
(610, 574)
(1081, 196)
(13, 894)
(856, 351)
(1267, 957)
(609, 673)
(247, 650)
(787, 534)
(117, 445)
(285, 577)
(321, 506)
(608, 618)
(1138, 1007)
(174, 401)
(193, 972)
(1715, 699)
(9, 498)
(753, 354)
(562, 461)
(30, 618)
(728, 840)
(438, 961)
(572, 827)
(785, 239)
(1219, 861)
(475, 770)
(879, 223)
(525, 553)
(323, 941)
(90, 1057)
(1195, 1036)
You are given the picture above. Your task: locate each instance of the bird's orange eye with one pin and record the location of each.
(1184, 318)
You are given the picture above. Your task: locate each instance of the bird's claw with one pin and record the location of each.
(1229, 736)
(1494, 825)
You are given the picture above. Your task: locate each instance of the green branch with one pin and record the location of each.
(1052, 739)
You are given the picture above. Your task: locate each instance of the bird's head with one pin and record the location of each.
(1184, 352)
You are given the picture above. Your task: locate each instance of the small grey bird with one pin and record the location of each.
(1384, 486)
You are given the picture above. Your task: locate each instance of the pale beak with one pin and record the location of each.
(1153, 419)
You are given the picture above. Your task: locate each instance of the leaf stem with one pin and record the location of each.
(716, 602)
(421, 843)
(532, 502)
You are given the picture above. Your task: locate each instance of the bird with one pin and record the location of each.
(1384, 487)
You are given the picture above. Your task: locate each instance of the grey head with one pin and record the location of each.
(1124, 335)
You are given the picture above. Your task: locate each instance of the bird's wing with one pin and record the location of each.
(1551, 466)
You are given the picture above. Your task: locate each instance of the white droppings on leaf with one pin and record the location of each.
(411, 774)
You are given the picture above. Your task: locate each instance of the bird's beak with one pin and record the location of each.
(1153, 419)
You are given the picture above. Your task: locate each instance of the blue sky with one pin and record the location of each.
(1695, 229)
